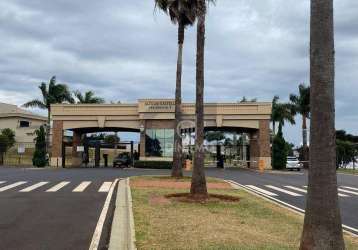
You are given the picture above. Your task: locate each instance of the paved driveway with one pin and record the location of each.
(290, 187)
(59, 209)
(53, 209)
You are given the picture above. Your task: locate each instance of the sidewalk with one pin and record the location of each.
(122, 232)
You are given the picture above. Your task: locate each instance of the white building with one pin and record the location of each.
(22, 122)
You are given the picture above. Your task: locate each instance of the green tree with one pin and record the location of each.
(52, 93)
(10, 134)
(7, 140)
(344, 136)
(111, 139)
(281, 112)
(183, 14)
(347, 148)
(322, 224)
(4, 142)
(39, 158)
(301, 104)
(214, 136)
(244, 99)
(289, 148)
(87, 97)
(346, 152)
(279, 150)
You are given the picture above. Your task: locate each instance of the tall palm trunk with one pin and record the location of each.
(177, 157)
(2, 158)
(322, 225)
(304, 141)
(198, 181)
(48, 129)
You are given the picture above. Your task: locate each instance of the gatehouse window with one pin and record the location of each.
(159, 142)
(24, 124)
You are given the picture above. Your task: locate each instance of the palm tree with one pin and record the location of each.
(322, 224)
(52, 93)
(87, 97)
(281, 112)
(244, 99)
(301, 104)
(198, 181)
(182, 13)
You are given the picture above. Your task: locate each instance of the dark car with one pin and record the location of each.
(122, 160)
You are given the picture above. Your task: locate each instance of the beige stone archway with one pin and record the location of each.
(159, 114)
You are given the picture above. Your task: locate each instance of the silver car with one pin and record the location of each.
(293, 163)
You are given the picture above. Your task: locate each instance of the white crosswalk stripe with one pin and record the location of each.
(351, 188)
(339, 194)
(284, 191)
(347, 191)
(105, 187)
(2, 182)
(33, 187)
(58, 186)
(297, 189)
(261, 190)
(81, 187)
(16, 184)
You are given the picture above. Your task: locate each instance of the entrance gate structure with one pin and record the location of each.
(154, 120)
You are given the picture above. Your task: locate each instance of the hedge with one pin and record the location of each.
(153, 164)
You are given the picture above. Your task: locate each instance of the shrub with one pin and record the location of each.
(279, 151)
(153, 164)
(39, 158)
(7, 140)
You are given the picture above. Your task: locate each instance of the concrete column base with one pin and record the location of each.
(76, 162)
(56, 162)
(255, 162)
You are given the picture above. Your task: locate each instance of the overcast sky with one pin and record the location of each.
(124, 51)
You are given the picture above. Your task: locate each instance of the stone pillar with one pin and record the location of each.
(57, 140)
(76, 156)
(142, 141)
(260, 150)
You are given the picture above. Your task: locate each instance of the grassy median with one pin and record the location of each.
(347, 171)
(250, 223)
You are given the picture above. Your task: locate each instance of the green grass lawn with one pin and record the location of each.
(250, 224)
(347, 171)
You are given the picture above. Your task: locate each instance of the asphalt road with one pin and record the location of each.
(289, 187)
(64, 219)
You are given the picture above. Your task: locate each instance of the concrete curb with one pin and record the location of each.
(123, 233)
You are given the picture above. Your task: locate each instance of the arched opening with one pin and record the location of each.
(100, 147)
(224, 146)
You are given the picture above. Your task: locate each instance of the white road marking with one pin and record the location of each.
(2, 182)
(12, 185)
(351, 188)
(339, 194)
(83, 185)
(343, 195)
(347, 191)
(261, 190)
(294, 208)
(105, 187)
(283, 191)
(58, 186)
(33, 187)
(99, 227)
(297, 189)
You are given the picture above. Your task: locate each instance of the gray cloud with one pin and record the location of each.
(123, 50)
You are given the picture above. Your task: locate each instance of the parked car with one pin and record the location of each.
(293, 163)
(122, 160)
